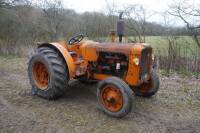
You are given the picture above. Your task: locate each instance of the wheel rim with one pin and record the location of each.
(41, 75)
(111, 98)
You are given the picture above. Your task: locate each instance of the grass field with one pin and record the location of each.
(185, 45)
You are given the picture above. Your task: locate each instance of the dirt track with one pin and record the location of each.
(175, 108)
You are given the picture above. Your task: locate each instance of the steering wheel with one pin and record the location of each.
(76, 39)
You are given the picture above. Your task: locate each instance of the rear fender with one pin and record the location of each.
(65, 53)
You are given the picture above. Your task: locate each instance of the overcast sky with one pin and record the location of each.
(81, 6)
(157, 6)
(99, 5)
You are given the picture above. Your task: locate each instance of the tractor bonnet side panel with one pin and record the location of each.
(134, 70)
(88, 52)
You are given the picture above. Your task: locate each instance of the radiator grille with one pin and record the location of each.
(145, 61)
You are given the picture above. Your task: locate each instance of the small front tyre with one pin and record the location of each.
(150, 88)
(115, 97)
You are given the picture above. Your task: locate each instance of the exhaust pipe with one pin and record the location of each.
(120, 27)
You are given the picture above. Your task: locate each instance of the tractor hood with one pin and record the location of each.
(125, 48)
(91, 48)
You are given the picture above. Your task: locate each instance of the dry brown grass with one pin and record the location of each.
(22, 48)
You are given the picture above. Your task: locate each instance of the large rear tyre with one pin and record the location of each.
(114, 97)
(148, 89)
(48, 73)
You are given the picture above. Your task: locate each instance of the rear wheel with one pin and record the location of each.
(148, 89)
(48, 73)
(114, 97)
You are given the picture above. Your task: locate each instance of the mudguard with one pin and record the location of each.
(62, 48)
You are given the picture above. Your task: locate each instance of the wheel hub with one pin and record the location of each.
(112, 98)
(41, 75)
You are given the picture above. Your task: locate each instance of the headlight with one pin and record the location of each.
(136, 61)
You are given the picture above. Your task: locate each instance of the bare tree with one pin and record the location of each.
(12, 3)
(111, 12)
(190, 15)
(136, 21)
(6, 4)
(54, 13)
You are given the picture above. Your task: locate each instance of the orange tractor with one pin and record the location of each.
(123, 71)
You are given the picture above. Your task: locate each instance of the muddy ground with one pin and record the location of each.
(175, 108)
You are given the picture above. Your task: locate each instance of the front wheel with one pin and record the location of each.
(115, 97)
(148, 89)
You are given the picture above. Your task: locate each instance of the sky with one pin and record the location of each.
(155, 7)
(99, 5)
(81, 6)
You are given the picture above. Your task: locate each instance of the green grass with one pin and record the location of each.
(159, 44)
(185, 45)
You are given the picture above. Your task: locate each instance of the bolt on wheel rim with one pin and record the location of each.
(111, 98)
